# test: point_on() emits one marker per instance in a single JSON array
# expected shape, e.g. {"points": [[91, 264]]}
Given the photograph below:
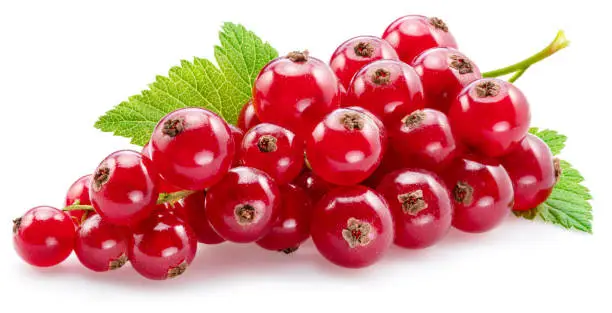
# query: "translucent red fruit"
{"points": [[43, 236], [533, 170], [78, 193], [192, 148], [101, 246], [237, 135], [357, 52], [247, 117], [421, 207], [412, 34], [124, 188], [244, 205], [295, 91], [490, 116], [162, 246], [193, 211], [481, 191], [444, 73], [315, 186], [293, 224], [352, 226], [274, 150], [346, 147], [164, 186], [389, 89]]}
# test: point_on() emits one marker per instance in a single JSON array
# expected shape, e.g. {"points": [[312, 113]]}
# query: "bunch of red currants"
{"points": [[395, 141]]}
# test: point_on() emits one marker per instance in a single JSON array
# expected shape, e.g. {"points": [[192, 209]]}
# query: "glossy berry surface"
{"points": [[247, 117], [346, 147], [357, 52], [444, 73], [421, 207], [481, 191], [490, 116], [244, 205], [162, 246], [352, 226], [424, 140], [293, 224], [43, 236], [533, 170], [274, 150], [164, 186], [315, 186], [193, 211], [78, 193], [412, 34], [389, 89], [295, 91], [124, 188], [101, 246], [192, 148], [237, 135]]}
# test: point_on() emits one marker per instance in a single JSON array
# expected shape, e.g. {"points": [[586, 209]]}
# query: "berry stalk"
{"points": [[163, 198]]}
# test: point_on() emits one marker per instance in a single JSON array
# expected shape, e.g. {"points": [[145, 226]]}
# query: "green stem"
{"points": [[163, 198], [517, 75], [75, 207]]}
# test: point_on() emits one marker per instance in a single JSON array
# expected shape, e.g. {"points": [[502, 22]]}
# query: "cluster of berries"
{"points": [[395, 141]]}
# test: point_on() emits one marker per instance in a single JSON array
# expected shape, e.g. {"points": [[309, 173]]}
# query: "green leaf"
{"points": [[554, 140], [197, 83]]}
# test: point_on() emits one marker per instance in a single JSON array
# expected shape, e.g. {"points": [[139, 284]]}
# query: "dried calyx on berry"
{"points": [[16, 225], [267, 143], [118, 262], [356, 233], [461, 64], [298, 56], [101, 176], [438, 23], [173, 127], [352, 121], [381, 76], [412, 202], [364, 49], [463, 193], [414, 119], [177, 270], [245, 214], [558, 169], [487, 88]]}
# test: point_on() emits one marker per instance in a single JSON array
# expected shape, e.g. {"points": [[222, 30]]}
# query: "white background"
{"points": [[62, 64]]}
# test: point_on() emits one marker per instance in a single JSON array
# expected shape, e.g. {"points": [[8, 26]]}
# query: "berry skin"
{"points": [[192, 148], [192, 210], [533, 171], [247, 117], [389, 89], [162, 246], [444, 73], [101, 246], [164, 186], [237, 135], [421, 207], [78, 193], [274, 150], [43, 236], [352, 226], [346, 147], [357, 52], [295, 91], [244, 205], [481, 191], [490, 116], [412, 34], [315, 186], [124, 188], [424, 140], [293, 224]]}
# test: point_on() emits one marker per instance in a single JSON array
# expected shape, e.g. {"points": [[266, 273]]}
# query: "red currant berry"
{"points": [[390, 163], [78, 193], [101, 246], [444, 73], [274, 150], [481, 191], [412, 34], [389, 89], [293, 225], [192, 148], [124, 188], [352, 226], [346, 147], [244, 205], [424, 140], [237, 135], [247, 117], [533, 170], [162, 246], [421, 207], [357, 52], [295, 92], [43, 236], [164, 186], [491, 116], [193, 211], [315, 186]]}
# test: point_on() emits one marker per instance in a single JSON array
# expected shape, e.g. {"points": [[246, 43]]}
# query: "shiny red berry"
{"points": [[274, 150], [421, 207], [101, 246], [444, 73], [192, 148], [43, 236], [162, 246], [412, 34], [533, 171], [237, 135], [352, 226], [481, 191], [164, 186], [315, 186], [357, 52], [78, 193], [247, 117], [244, 205], [295, 91], [124, 188], [346, 147], [193, 211], [490, 116]]}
